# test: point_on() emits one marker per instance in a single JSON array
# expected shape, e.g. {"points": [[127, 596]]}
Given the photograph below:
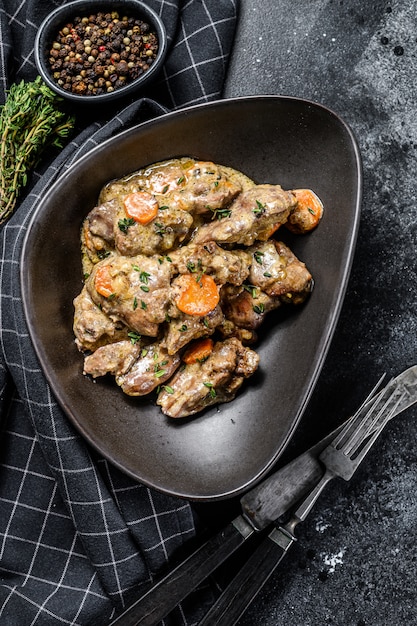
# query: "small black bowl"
{"points": [[48, 32]]}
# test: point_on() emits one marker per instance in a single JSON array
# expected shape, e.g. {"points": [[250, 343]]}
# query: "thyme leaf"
{"points": [[30, 121], [212, 391], [220, 213], [134, 337], [124, 224], [258, 256], [260, 208]]}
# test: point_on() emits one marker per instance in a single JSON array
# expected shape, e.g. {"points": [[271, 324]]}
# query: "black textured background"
{"points": [[356, 560]]}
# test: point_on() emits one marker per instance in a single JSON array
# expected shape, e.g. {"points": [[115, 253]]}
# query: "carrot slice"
{"points": [[273, 229], [307, 213], [307, 199], [199, 294], [103, 281], [198, 351], [141, 206]]}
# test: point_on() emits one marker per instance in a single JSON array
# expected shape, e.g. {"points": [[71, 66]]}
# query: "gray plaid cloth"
{"points": [[78, 538]]}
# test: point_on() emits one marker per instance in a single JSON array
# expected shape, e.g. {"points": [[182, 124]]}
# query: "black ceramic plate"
{"points": [[227, 449]]}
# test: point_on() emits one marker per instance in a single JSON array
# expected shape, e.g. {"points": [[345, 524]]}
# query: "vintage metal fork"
{"points": [[345, 453], [340, 458]]}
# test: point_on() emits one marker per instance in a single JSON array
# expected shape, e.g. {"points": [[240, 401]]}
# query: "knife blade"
{"points": [[260, 507]]}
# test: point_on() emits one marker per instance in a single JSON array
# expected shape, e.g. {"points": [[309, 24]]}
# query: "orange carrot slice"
{"points": [[273, 229], [307, 213], [103, 281], [141, 206], [198, 351], [199, 294], [306, 198]]}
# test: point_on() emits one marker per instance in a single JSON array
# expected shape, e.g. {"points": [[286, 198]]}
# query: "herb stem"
{"points": [[30, 120]]}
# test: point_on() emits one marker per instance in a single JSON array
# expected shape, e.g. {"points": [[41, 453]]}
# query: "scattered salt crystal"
{"points": [[321, 526], [331, 560]]}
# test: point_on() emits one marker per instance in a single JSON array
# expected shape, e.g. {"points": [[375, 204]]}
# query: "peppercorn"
{"points": [[101, 52]]}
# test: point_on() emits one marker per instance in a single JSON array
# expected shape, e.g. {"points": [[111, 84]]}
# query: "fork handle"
{"points": [[305, 507], [250, 579]]}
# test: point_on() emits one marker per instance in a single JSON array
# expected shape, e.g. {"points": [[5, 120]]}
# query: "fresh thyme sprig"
{"points": [[30, 120]]}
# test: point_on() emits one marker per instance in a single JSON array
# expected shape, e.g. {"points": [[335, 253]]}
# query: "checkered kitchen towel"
{"points": [[78, 538]]}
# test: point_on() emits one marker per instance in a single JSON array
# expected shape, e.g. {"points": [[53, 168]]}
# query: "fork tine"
{"points": [[368, 426], [356, 423], [358, 453], [365, 424], [359, 436]]}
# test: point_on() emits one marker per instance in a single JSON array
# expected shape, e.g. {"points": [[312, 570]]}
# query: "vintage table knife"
{"points": [[260, 508], [283, 489]]}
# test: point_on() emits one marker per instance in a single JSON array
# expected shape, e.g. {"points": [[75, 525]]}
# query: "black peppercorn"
{"points": [[101, 53]]}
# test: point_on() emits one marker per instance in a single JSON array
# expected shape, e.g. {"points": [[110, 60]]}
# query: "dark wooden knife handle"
{"points": [[164, 596], [247, 583]]}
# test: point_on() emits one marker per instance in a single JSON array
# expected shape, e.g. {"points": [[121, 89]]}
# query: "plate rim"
{"points": [[326, 337]]}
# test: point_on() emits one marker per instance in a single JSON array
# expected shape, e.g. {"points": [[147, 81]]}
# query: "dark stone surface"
{"points": [[356, 560]]}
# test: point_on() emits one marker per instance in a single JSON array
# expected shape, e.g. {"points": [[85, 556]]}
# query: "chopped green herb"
{"points": [[135, 303], [159, 228], [251, 289], [144, 288], [125, 223], [220, 213], [192, 267], [134, 337], [212, 390], [267, 274], [143, 305], [183, 328], [165, 189], [258, 257], [143, 277], [259, 308], [260, 208]]}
